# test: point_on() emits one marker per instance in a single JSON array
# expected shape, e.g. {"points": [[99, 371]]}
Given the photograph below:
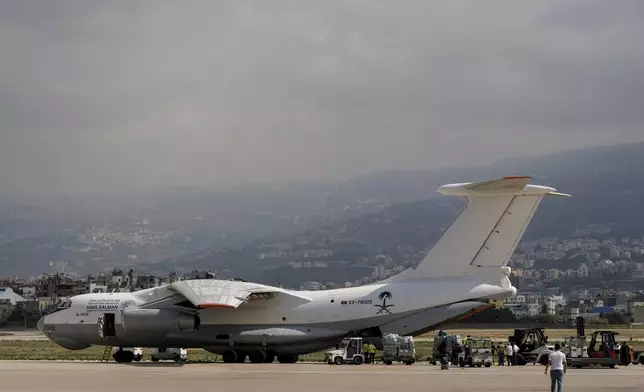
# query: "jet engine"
{"points": [[158, 320]]}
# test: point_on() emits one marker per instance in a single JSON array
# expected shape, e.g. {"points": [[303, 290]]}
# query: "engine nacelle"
{"points": [[158, 320]]}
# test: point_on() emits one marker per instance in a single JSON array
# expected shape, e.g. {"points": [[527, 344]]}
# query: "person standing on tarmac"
{"points": [[365, 352], [515, 354], [557, 363], [508, 353], [499, 352], [372, 353]]}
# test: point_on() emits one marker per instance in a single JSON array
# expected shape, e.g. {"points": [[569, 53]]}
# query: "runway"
{"points": [[32, 376]]}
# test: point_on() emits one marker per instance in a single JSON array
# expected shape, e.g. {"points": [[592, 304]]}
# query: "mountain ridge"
{"points": [[378, 211]]}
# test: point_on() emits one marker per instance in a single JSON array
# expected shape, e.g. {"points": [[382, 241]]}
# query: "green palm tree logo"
{"points": [[384, 307]]}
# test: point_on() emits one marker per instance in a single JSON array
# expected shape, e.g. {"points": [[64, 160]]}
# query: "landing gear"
{"points": [[241, 357], [287, 358], [258, 356], [232, 356], [123, 356], [229, 356], [270, 357]]}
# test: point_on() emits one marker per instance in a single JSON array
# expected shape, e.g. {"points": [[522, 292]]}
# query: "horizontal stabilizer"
{"points": [[506, 186]]}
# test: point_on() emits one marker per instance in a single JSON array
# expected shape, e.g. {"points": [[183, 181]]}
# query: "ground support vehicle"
{"points": [[349, 351], [176, 354], [533, 345], [638, 357], [602, 351], [476, 352]]}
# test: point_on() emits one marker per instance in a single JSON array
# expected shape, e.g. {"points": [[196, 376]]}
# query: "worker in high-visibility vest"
{"points": [[372, 353], [365, 352]]}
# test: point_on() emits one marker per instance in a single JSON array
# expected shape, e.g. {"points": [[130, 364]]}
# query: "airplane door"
{"points": [[108, 324]]}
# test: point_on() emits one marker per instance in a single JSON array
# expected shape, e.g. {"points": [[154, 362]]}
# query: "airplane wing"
{"points": [[212, 293]]}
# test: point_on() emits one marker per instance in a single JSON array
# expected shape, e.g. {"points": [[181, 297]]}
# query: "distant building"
{"points": [[312, 286], [638, 314], [534, 310], [519, 310], [7, 294]]}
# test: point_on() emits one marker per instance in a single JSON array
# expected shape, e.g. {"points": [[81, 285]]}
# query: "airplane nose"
{"points": [[41, 324]]}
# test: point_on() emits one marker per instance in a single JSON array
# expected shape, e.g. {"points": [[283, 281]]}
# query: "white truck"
{"points": [[348, 351], [176, 354]]}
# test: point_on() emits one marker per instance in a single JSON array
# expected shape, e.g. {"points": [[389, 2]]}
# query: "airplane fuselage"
{"points": [[288, 325]]}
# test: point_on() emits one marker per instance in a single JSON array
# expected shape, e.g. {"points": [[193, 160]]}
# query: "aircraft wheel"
{"points": [[409, 363], [229, 356], [270, 357], [241, 357], [388, 362], [123, 356], [258, 356], [155, 359], [138, 358]]}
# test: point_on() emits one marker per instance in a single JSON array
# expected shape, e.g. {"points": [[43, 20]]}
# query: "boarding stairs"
{"points": [[107, 353]]}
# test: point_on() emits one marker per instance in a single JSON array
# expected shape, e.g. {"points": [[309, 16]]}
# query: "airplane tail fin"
{"points": [[486, 233]]}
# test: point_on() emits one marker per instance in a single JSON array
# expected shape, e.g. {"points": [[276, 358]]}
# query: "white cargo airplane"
{"points": [[461, 273]]}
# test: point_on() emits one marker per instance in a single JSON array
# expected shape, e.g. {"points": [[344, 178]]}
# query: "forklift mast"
{"points": [[580, 327]]}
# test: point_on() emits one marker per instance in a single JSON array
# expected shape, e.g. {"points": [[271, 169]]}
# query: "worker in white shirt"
{"points": [[515, 354], [557, 363], [508, 353]]}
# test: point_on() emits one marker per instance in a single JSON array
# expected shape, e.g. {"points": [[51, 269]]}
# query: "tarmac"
{"points": [[31, 376]]}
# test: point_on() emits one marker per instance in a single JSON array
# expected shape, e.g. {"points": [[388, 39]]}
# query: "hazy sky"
{"points": [[111, 95]]}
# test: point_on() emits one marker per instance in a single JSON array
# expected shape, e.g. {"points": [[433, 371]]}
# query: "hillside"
{"points": [[396, 213], [600, 179]]}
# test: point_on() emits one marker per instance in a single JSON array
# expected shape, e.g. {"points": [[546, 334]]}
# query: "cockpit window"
{"points": [[65, 304], [61, 306]]}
